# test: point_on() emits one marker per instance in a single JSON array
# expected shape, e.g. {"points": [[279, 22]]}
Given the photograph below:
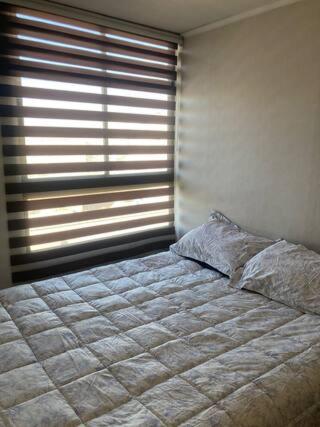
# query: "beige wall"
{"points": [[249, 127]]}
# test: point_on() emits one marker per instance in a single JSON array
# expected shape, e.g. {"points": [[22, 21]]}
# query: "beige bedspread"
{"points": [[158, 341]]}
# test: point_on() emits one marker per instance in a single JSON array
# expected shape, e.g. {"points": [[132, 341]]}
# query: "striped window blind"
{"points": [[87, 123]]}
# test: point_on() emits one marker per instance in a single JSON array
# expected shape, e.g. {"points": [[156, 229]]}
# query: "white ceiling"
{"points": [[177, 16]]}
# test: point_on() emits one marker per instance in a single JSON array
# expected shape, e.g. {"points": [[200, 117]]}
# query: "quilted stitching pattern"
{"points": [[158, 341]]}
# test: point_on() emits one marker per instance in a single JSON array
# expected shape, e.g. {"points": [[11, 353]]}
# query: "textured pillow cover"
{"points": [[221, 244], [286, 273]]}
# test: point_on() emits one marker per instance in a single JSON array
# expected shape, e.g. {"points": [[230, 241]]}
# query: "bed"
{"points": [[155, 341]]}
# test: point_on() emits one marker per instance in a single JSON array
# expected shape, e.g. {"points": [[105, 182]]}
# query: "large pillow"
{"points": [[286, 273], [220, 244]]}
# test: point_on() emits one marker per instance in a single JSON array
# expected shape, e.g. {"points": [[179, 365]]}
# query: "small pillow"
{"points": [[220, 244], [286, 273]]}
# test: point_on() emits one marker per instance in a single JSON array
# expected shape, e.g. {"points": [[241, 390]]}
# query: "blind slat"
{"points": [[58, 55], [40, 186], [87, 247], [52, 168], [54, 73], [25, 223], [69, 150], [71, 132], [69, 96], [94, 48], [87, 199], [68, 114], [91, 31], [18, 242]]}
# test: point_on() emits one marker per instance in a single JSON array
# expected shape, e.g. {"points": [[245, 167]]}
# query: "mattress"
{"points": [[156, 341]]}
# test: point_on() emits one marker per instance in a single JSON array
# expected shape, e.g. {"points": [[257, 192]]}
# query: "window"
{"points": [[88, 118]]}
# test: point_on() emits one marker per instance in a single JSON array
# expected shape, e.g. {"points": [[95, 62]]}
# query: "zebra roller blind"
{"points": [[88, 116]]}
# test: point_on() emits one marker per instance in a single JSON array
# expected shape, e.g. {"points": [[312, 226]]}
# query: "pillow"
{"points": [[220, 244], [286, 273]]}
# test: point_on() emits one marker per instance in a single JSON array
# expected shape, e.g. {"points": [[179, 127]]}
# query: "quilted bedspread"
{"points": [[156, 341]]}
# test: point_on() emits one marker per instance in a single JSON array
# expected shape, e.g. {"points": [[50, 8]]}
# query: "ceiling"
{"points": [[177, 16]]}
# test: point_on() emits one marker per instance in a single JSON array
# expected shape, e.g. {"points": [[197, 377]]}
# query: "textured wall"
{"points": [[249, 127]]}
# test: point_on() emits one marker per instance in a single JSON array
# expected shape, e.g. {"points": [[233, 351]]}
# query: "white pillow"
{"points": [[286, 273], [221, 244]]}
